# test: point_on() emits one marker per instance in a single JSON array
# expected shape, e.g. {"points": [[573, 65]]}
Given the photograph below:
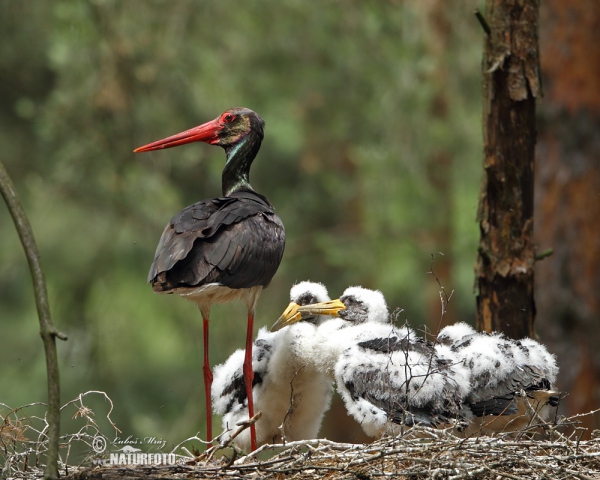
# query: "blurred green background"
{"points": [[372, 158]]}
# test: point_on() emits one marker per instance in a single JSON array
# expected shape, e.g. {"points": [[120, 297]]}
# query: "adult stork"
{"points": [[388, 377], [291, 394], [222, 249], [512, 382]]}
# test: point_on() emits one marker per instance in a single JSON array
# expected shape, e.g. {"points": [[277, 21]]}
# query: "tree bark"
{"points": [[567, 203], [505, 261]]}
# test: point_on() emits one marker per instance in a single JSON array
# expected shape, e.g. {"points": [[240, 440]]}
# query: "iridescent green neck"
{"points": [[240, 155]]}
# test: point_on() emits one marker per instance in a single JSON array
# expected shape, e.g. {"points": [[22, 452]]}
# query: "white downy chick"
{"points": [[291, 394]]}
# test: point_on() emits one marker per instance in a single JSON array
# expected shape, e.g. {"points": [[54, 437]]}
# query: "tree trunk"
{"points": [[567, 204], [504, 267]]}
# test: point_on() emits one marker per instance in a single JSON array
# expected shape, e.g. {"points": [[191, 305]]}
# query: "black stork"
{"points": [[222, 249]]}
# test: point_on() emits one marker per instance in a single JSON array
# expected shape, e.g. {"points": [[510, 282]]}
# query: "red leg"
{"points": [[249, 377], [208, 378]]}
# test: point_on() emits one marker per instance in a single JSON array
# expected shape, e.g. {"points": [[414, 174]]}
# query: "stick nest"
{"points": [[440, 456], [541, 452]]}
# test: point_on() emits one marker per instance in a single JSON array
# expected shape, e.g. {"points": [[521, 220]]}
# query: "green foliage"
{"points": [[371, 157]]}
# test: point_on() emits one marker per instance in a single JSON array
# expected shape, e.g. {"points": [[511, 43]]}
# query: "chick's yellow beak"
{"points": [[288, 317], [331, 308]]}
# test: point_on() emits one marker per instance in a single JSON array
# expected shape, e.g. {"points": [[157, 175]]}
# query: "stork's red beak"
{"points": [[207, 132]]}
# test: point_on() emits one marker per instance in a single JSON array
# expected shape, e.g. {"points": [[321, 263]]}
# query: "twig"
{"points": [[242, 426], [483, 22], [546, 253], [291, 408], [444, 297]]}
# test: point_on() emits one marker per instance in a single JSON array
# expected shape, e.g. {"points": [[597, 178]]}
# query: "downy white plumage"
{"points": [[291, 393], [512, 382]]}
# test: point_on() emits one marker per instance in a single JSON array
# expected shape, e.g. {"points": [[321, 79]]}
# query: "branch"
{"points": [[483, 22], [241, 427], [47, 330], [544, 254]]}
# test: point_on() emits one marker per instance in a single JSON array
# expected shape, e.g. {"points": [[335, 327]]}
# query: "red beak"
{"points": [[207, 132]]}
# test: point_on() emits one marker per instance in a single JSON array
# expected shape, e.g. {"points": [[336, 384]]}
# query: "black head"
{"points": [[236, 124]]}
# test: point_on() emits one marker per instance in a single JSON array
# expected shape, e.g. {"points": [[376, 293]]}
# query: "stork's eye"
{"points": [[228, 118], [307, 299]]}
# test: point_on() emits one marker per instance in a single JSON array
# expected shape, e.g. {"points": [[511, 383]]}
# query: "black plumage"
{"points": [[234, 241]]}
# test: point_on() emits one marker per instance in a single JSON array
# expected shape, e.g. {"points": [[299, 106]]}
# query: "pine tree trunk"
{"points": [[568, 200], [504, 268]]}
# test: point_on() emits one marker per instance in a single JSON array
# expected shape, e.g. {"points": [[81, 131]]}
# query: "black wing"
{"points": [[235, 241]]}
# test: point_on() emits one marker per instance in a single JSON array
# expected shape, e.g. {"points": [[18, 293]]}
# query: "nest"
{"points": [[441, 455], [541, 451]]}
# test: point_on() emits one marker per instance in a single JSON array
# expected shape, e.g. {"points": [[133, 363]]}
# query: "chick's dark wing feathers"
{"points": [[236, 241], [374, 384], [395, 344], [500, 399], [499, 405], [235, 388], [372, 388]]}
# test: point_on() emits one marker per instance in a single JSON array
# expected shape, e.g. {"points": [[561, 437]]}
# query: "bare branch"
{"points": [[483, 22], [47, 329]]}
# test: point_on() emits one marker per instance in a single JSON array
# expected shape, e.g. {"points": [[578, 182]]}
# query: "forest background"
{"points": [[372, 158]]}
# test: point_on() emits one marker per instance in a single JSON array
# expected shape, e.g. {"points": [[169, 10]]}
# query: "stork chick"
{"points": [[292, 395], [512, 382]]}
